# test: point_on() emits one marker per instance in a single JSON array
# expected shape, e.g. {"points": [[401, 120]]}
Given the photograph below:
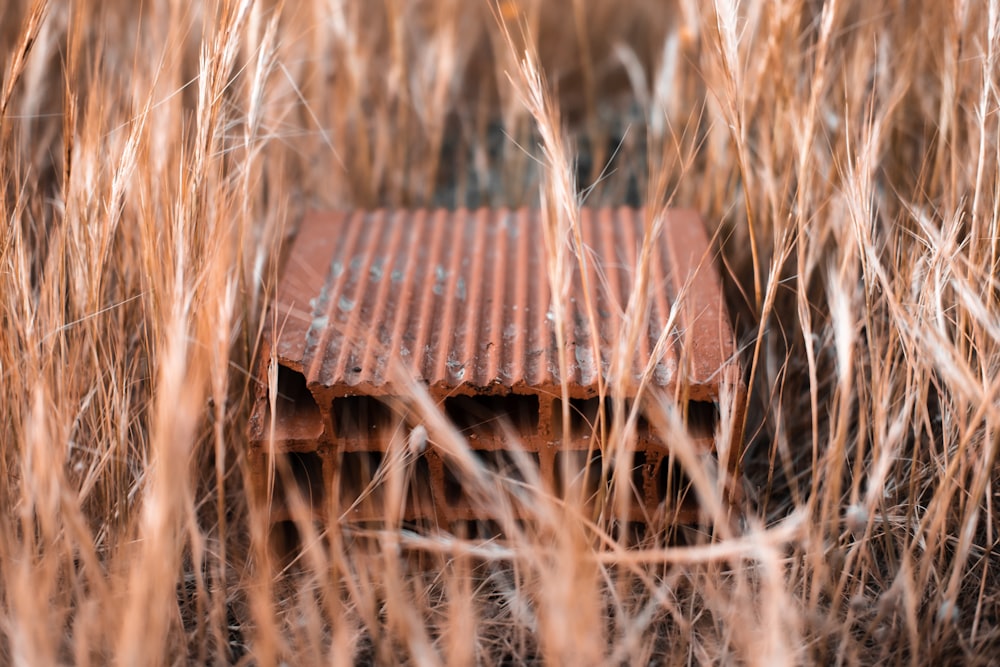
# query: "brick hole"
{"points": [[632, 534], [306, 472], [293, 389], [284, 539], [572, 470], [583, 414], [499, 463], [453, 494], [358, 469], [638, 473], [702, 417], [634, 483], [361, 417], [420, 499], [674, 484], [476, 529], [486, 414], [487, 529], [642, 427], [419, 525], [356, 472], [298, 415]]}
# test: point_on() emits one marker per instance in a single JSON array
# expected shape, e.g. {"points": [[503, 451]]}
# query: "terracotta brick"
{"points": [[460, 301]]}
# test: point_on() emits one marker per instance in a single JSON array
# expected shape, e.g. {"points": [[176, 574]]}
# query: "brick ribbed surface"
{"points": [[461, 301]]}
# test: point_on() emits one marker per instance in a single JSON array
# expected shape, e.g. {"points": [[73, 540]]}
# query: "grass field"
{"points": [[155, 157]]}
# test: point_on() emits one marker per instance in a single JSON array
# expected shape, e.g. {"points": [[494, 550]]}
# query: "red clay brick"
{"points": [[461, 302]]}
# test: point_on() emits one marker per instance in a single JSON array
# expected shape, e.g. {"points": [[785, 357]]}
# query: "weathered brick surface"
{"points": [[461, 303]]}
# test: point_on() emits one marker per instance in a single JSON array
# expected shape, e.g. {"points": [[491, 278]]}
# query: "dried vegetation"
{"points": [[155, 156]]}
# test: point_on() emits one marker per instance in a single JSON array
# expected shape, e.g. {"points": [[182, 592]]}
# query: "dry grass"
{"points": [[154, 156]]}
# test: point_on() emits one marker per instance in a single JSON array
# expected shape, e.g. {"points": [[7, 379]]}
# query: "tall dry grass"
{"points": [[154, 158]]}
